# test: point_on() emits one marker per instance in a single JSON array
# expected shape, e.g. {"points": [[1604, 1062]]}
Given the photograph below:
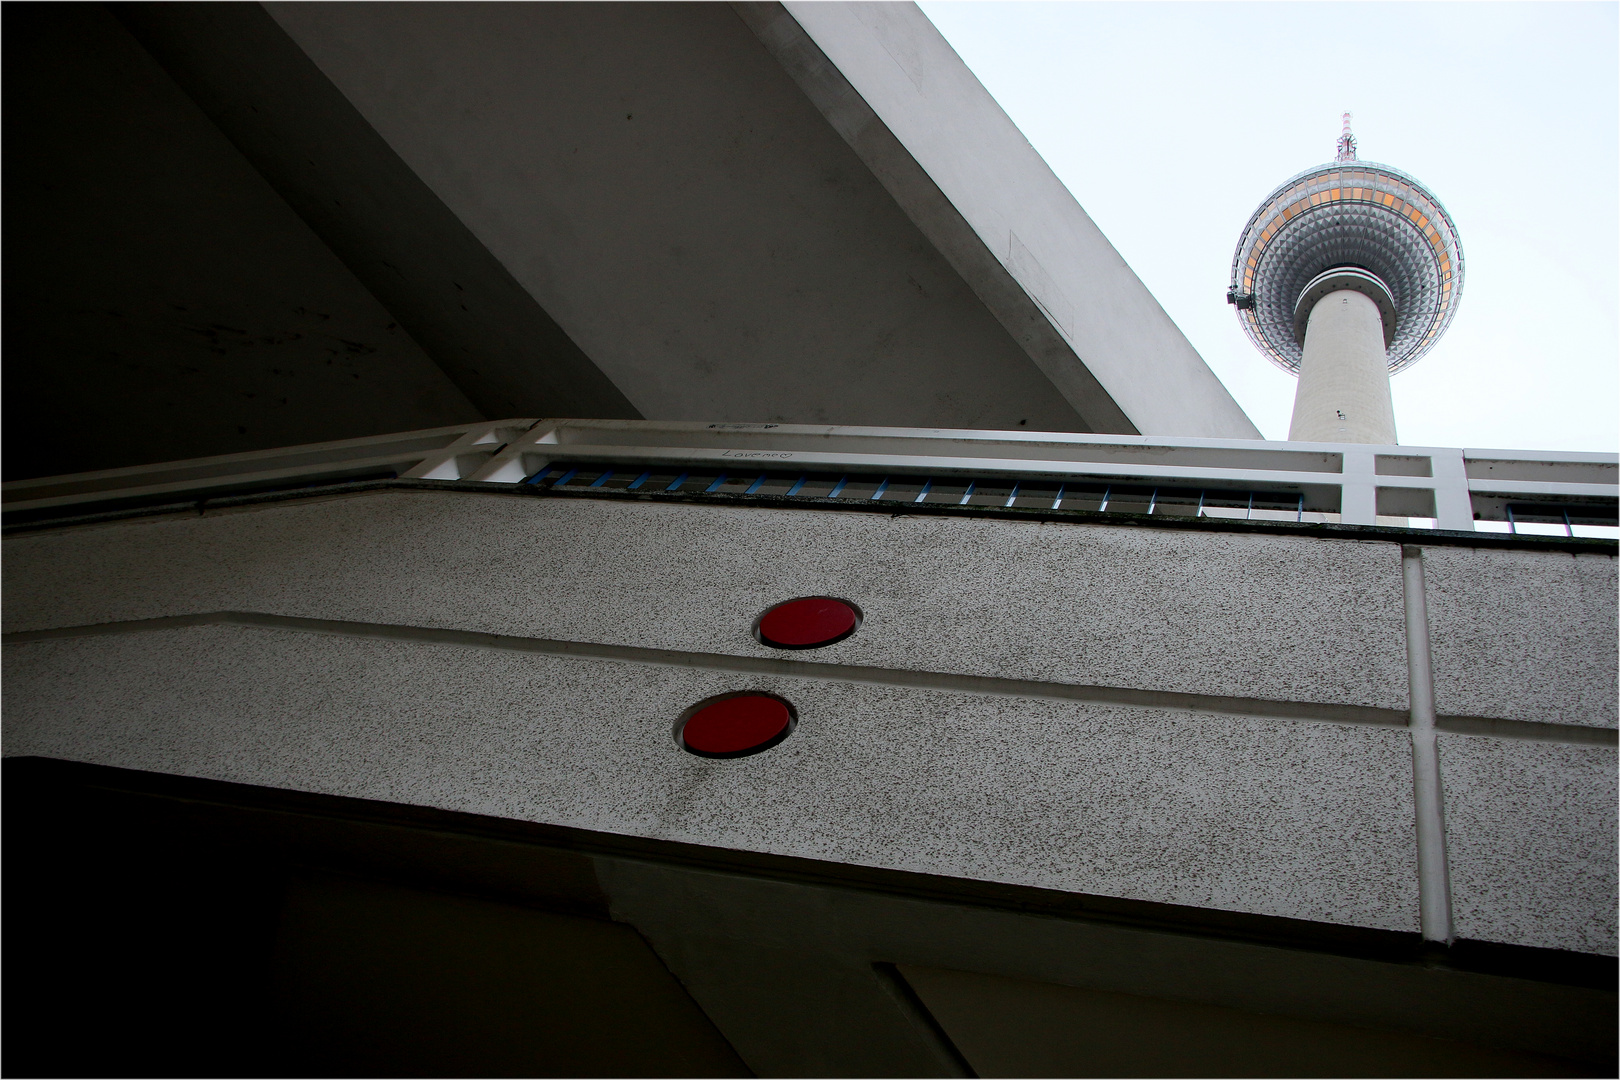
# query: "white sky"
{"points": [[1170, 122]]}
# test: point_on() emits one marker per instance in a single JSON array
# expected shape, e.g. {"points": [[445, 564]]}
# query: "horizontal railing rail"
{"points": [[1351, 483]]}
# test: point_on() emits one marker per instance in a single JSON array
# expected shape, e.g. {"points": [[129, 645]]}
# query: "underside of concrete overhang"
{"points": [[173, 926], [238, 226]]}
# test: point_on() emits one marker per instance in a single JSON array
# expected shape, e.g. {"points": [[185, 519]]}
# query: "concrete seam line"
{"points": [[988, 685], [1529, 730], [922, 1018], [1434, 880]]}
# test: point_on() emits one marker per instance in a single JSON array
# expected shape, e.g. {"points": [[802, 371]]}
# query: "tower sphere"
{"points": [[1356, 216]]}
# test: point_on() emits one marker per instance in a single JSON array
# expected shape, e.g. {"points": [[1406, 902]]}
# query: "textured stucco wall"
{"points": [[1531, 840], [1304, 820], [1283, 618], [1304, 812], [1523, 635]]}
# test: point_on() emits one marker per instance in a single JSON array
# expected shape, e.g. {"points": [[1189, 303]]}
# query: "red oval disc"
{"points": [[808, 622], [735, 725]]}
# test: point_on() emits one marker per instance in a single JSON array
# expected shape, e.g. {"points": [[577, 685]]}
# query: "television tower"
{"points": [[1346, 274]]}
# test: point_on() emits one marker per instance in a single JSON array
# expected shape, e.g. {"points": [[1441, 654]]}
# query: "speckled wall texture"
{"points": [[1531, 839], [1311, 821], [1287, 815], [1523, 635], [1278, 617]]}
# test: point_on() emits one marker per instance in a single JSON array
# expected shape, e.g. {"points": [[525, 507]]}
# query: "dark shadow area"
{"points": [[160, 925], [162, 301], [1017, 1027], [166, 938]]}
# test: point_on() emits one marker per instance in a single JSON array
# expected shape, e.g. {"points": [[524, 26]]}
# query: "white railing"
{"points": [[1357, 484], [403, 454]]}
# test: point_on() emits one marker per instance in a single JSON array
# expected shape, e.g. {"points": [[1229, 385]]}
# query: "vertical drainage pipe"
{"points": [[1434, 880]]}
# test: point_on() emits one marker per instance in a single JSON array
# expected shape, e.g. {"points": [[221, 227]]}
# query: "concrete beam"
{"points": [[891, 85], [652, 177], [389, 227], [162, 301], [618, 210]]}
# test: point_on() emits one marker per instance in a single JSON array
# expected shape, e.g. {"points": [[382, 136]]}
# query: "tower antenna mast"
{"points": [[1347, 143]]}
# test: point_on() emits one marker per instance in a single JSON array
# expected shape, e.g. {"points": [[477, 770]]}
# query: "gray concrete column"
{"points": [[1343, 393]]}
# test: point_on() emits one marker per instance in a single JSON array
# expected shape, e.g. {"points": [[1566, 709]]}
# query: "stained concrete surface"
{"points": [[161, 300], [1530, 837], [309, 142], [1279, 617], [659, 185], [1308, 821], [1523, 635]]}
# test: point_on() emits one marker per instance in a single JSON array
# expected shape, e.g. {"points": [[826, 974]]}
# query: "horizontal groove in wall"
{"points": [[755, 665], [1533, 730], [852, 673]]}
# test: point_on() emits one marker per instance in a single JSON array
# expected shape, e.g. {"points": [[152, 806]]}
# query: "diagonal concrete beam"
{"points": [[459, 302], [897, 92]]}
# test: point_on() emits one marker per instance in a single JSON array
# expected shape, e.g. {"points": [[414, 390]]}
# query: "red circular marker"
{"points": [[807, 623], [734, 725]]}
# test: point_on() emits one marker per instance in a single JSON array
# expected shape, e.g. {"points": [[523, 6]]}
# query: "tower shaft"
{"points": [[1343, 393]]}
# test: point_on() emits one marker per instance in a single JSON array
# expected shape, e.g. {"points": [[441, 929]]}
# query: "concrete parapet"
{"points": [[1303, 820], [1248, 616], [1197, 718]]}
